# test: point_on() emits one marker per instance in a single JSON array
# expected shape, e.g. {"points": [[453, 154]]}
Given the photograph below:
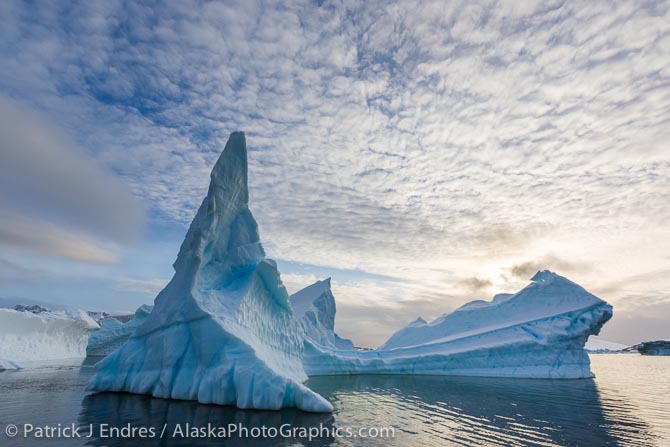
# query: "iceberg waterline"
{"points": [[224, 330]]}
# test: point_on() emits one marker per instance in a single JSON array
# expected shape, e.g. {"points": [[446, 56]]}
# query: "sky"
{"points": [[422, 154]]}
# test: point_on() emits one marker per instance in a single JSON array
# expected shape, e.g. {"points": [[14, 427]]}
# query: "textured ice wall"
{"points": [[538, 332], [113, 333], [314, 306], [31, 338], [222, 330]]}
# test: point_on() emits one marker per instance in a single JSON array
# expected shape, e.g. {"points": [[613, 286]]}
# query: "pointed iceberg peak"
{"points": [[544, 276], [221, 331], [319, 292], [224, 233], [230, 171], [418, 322]]}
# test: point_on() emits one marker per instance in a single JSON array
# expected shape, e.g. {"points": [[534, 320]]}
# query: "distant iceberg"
{"points": [[538, 332], [597, 345], [7, 365], [314, 306], [34, 335], [113, 333], [222, 330], [656, 347]]}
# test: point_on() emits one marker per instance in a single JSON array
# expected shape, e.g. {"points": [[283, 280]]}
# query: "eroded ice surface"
{"points": [[222, 331], [314, 306], [31, 336], [113, 333], [538, 332]]}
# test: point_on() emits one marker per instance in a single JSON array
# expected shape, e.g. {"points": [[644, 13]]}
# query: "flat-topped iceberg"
{"points": [[222, 330], [35, 335], [538, 332], [113, 333]]}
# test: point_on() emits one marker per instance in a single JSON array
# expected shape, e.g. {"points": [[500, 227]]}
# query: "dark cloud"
{"points": [[476, 285], [526, 270]]}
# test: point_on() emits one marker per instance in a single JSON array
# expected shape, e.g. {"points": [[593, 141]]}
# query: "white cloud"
{"points": [[148, 286], [427, 143]]}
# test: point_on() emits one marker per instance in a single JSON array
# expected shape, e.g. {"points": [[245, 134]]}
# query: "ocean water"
{"points": [[627, 404]]}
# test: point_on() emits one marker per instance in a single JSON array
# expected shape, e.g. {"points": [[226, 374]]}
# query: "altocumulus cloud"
{"points": [[428, 141]]}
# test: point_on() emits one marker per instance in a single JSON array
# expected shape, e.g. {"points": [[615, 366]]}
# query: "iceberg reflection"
{"points": [[469, 411], [120, 410]]}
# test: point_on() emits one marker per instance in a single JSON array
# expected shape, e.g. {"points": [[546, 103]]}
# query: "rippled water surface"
{"points": [[626, 405]]}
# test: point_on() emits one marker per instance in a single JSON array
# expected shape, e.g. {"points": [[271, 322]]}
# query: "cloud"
{"points": [[148, 286], [426, 142], [370, 310], [41, 237], [44, 176], [643, 324], [13, 272], [476, 285], [527, 269]]}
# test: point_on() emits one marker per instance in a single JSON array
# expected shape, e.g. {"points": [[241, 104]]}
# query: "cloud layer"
{"points": [[54, 198], [453, 147]]}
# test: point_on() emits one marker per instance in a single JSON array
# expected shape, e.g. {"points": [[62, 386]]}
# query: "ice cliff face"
{"points": [[222, 331], [538, 332], [113, 333], [314, 306], [33, 336]]}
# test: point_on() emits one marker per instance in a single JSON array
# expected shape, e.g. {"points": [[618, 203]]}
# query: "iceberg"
{"points": [[539, 332], [113, 333], [99, 317], [7, 365], [222, 330], [314, 306], [35, 335], [655, 347]]}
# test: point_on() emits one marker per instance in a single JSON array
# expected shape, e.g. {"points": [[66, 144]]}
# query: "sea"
{"points": [[626, 404]]}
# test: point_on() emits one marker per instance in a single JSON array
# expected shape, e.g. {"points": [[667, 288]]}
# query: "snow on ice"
{"points": [[113, 333], [32, 335], [538, 332]]}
